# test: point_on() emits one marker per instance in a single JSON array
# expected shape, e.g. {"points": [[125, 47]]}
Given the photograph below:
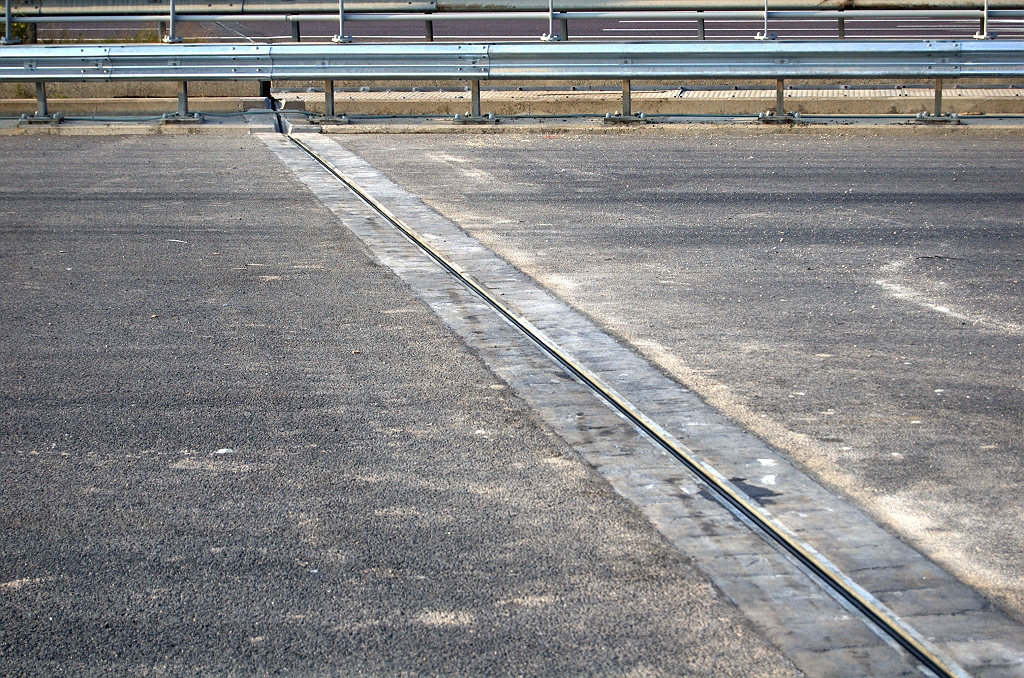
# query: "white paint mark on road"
{"points": [[768, 480], [434, 618], [767, 462], [909, 294], [16, 584]]}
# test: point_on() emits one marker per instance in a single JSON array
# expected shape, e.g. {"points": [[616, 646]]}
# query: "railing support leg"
{"points": [[41, 110], [983, 33], [328, 98], [564, 28], [938, 97], [183, 99], [474, 90], [172, 29], [780, 90], [700, 29], [265, 89], [296, 32], [341, 37], [8, 38], [428, 27], [627, 104], [842, 27]]}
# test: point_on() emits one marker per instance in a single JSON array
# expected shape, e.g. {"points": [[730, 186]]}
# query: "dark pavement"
{"points": [[852, 297], [234, 444]]}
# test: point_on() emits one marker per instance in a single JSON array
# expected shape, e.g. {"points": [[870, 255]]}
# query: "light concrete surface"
{"points": [[820, 636], [852, 299], [234, 443], [131, 106], [881, 101], [963, 99], [251, 122]]}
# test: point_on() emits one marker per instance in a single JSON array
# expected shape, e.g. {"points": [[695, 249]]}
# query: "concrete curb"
{"points": [[888, 101]]}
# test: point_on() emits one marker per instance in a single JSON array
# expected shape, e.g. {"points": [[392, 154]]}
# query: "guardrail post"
{"points": [[700, 28], [428, 28], [474, 94], [341, 37], [8, 38], [265, 89], [172, 29], [563, 28], [183, 99], [296, 32], [328, 98], [983, 33], [780, 89], [41, 111], [767, 35], [627, 104], [550, 36], [938, 97], [842, 27]]}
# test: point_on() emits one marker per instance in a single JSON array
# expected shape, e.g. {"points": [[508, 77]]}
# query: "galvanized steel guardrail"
{"points": [[518, 61], [49, 8]]}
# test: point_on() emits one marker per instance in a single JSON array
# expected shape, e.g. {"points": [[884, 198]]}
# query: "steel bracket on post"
{"points": [[625, 117], [779, 115], [182, 116], [42, 115], [938, 118], [473, 116], [329, 117]]}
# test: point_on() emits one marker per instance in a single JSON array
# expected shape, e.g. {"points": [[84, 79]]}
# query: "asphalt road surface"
{"points": [[854, 298], [234, 444]]}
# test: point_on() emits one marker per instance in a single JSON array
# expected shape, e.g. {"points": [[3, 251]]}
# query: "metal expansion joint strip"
{"points": [[770, 528]]}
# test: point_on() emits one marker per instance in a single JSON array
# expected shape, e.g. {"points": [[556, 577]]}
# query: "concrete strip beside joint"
{"points": [[634, 482]]}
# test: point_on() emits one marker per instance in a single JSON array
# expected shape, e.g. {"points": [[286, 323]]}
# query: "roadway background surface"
{"points": [[852, 298], [232, 443]]}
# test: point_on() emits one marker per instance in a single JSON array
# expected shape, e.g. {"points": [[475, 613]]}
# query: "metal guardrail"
{"points": [[49, 8], [519, 61], [772, 59], [295, 11]]}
